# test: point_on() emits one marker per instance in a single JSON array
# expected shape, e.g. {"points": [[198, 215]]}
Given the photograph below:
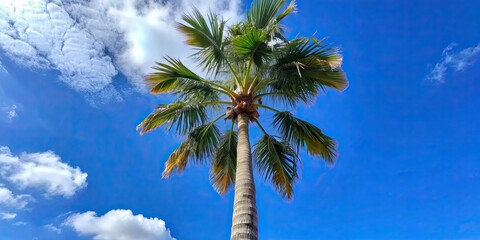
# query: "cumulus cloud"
{"points": [[10, 200], [118, 225], [453, 60], [90, 42], [43, 171]]}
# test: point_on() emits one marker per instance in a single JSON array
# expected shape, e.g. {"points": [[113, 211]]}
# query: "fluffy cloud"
{"points": [[119, 225], [44, 171], [8, 216], [453, 60], [89, 42], [8, 199]]}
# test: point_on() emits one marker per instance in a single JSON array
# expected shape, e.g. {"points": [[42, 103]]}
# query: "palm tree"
{"points": [[254, 65]]}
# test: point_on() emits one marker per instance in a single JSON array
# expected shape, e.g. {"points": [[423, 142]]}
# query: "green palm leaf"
{"points": [[196, 92], [184, 116], [303, 68], [206, 36], [169, 75], [291, 8], [199, 146], [204, 141], [224, 163], [301, 133], [264, 12], [277, 162], [252, 45]]}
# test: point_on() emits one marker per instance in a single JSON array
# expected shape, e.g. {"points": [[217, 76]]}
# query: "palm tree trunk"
{"points": [[244, 222]]}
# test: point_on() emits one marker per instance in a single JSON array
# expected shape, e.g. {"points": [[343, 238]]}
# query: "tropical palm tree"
{"points": [[251, 65]]}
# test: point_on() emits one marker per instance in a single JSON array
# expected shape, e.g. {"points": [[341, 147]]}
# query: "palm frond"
{"points": [[263, 13], [199, 146], [291, 8], [169, 75], [301, 133], [303, 69], [197, 92], [204, 141], [277, 162], [222, 172], [252, 44], [184, 116], [206, 35], [177, 160]]}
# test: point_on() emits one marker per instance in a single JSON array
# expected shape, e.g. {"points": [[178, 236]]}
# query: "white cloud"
{"points": [[118, 225], [8, 216], [89, 42], [8, 199], [19, 223], [52, 228], [454, 60], [11, 113], [44, 171], [2, 68], [8, 113]]}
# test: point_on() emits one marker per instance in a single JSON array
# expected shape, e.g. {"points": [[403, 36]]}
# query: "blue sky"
{"points": [[72, 165]]}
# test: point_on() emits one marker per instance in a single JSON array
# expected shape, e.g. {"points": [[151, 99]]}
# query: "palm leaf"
{"points": [[196, 92], [291, 8], [253, 45], [169, 75], [224, 163], [204, 141], [303, 68], [277, 162], [304, 134], [206, 35], [263, 13], [177, 160], [184, 116], [199, 146]]}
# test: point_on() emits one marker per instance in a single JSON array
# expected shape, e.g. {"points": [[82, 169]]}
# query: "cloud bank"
{"points": [[454, 61], [43, 171], [118, 225], [90, 42]]}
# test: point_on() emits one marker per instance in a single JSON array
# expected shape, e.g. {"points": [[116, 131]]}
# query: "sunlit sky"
{"points": [[72, 165]]}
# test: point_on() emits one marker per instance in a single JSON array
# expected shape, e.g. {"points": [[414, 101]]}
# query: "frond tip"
{"points": [[199, 145], [277, 162], [301, 133], [177, 160]]}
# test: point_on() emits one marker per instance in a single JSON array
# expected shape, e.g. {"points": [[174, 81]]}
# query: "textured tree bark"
{"points": [[244, 222]]}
